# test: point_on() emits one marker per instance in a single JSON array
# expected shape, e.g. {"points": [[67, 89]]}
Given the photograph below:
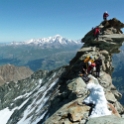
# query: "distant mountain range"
{"points": [[44, 53], [54, 41]]}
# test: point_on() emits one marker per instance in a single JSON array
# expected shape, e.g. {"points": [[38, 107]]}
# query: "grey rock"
{"points": [[77, 86], [110, 97], [105, 80], [106, 120], [119, 107]]}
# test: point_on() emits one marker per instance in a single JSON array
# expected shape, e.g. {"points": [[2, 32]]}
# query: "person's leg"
{"points": [[96, 74], [98, 71], [97, 37]]}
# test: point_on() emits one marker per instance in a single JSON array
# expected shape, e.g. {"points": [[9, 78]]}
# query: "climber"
{"points": [[88, 58], [105, 15], [91, 67], [98, 63], [96, 32], [83, 73], [84, 68]]}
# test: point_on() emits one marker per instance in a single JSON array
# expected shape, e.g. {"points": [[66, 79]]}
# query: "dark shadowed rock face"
{"points": [[13, 73]]}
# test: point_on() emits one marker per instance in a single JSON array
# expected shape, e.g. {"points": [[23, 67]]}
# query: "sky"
{"points": [[22, 20]]}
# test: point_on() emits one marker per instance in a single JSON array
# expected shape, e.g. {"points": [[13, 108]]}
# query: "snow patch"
{"points": [[5, 114], [97, 97], [50, 40], [39, 103]]}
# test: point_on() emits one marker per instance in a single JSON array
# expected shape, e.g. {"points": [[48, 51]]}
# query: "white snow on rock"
{"points": [[97, 97], [5, 114], [38, 105]]}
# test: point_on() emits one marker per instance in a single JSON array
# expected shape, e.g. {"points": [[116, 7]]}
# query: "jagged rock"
{"points": [[105, 52], [87, 49], [111, 119], [110, 33], [70, 113], [110, 97], [77, 86], [119, 107], [93, 79], [105, 80], [77, 113], [113, 23], [113, 110], [117, 95]]}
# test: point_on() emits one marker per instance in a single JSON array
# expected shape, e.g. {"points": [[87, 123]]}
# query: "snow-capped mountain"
{"points": [[55, 40]]}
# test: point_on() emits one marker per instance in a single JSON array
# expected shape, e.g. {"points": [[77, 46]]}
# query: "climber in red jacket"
{"points": [[96, 32], [105, 15]]}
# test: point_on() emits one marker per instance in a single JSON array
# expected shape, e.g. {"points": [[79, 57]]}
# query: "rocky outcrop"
{"points": [[71, 109], [106, 120], [13, 73]]}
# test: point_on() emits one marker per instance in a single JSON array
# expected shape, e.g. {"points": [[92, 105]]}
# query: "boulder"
{"points": [[119, 107], [70, 113], [117, 95], [77, 113], [105, 80], [113, 110], [110, 97], [111, 119], [77, 86]]}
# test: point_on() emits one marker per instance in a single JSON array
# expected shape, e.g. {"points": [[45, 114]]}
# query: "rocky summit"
{"points": [[72, 109], [63, 96]]}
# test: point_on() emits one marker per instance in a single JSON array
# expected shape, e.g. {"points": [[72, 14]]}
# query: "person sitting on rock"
{"points": [[83, 73], [105, 15], [98, 63], [96, 32], [83, 69]]}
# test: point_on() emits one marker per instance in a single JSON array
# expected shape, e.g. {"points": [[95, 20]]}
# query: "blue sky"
{"points": [[22, 20]]}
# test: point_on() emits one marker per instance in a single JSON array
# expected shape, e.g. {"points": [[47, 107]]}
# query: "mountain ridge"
{"points": [[57, 96], [10, 72], [39, 54], [76, 111], [56, 40]]}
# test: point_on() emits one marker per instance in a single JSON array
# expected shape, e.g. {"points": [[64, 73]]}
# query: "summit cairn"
{"points": [[80, 101]]}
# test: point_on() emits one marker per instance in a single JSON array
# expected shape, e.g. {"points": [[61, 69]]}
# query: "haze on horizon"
{"points": [[22, 20]]}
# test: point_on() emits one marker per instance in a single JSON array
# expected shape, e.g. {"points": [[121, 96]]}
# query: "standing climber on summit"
{"points": [[105, 15]]}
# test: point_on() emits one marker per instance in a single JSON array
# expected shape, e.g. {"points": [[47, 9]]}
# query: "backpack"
{"points": [[85, 78]]}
